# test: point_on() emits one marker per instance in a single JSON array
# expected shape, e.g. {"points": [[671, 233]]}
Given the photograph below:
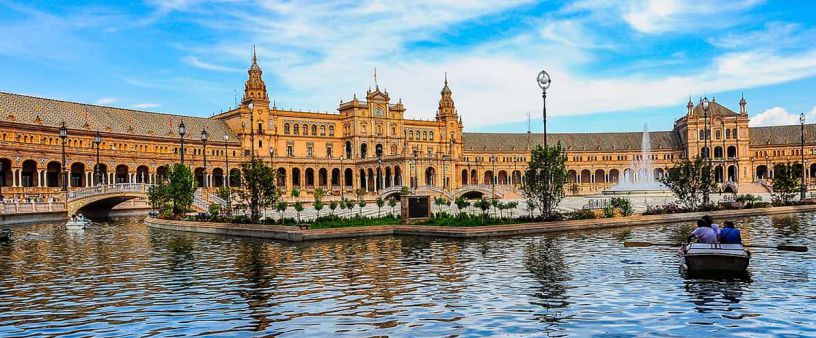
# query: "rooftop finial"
{"points": [[254, 56], [376, 84], [446, 78]]}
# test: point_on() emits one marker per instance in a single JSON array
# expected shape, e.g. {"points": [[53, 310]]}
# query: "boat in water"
{"points": [[78, 223], [714, 259]]}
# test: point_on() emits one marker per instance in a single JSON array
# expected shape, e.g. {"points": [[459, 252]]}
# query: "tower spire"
{"points": [[254, 56], [376, 84]]}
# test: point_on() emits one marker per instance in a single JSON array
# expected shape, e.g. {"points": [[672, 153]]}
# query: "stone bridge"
{"points": [[107, 195], [484, 190]]}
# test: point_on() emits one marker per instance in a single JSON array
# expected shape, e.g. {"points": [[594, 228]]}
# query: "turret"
{"points": [[690, 106], [447, 109], [255, 88], [742, 103]]}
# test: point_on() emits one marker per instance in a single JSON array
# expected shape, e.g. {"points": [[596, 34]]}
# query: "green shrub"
{"points": [[623, 204], [608, 212], [580, 214]]}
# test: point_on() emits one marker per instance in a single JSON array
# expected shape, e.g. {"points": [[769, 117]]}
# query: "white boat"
{"points": [[714, 259], [79, 223]]}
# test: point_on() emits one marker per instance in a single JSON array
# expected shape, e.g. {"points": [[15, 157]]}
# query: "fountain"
{"points": [[641, 179]]}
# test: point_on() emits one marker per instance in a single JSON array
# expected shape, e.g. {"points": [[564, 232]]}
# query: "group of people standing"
{"points": [[710, 233]]}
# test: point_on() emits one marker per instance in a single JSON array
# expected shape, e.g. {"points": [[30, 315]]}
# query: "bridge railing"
{"points": [[31, 207], [108, 189]]}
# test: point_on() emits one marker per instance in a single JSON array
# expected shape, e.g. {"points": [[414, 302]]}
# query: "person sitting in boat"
{"points": [[704, 233], [712, 225], [730, 234]]}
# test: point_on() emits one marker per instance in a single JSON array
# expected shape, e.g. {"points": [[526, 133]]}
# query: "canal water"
{"points": [[124, 279]]}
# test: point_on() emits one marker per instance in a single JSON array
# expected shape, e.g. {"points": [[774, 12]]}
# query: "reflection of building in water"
{"points": [[545, 261], [367, 144]]}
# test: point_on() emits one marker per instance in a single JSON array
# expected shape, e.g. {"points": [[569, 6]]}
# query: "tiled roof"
{"points": [[573, 141], [714, 109], [782, 135], [51, 113]]}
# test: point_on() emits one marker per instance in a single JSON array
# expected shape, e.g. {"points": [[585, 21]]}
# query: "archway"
{"points": [[310, 177], [235, 177], [218, 177], [122, 174], [430, 176], [5, 172], [281, 177], [464, 180], [199, 177], [101, 176], [502, 179], [378, 150], [516, 177], [572, 176], [323, 177], [718, 174], [762, 172], [614, 176], [52, 174], [388, 177], [731, 152], [474, 177], [29, 174], [718, 152], [363, 150], [600, 177], [732, 173], [142, 174], [296, 177], [488, 177], [77, 175], [335, 177], [704, 153], [348, 150], [586, 176], [658, 173], [397, 176], [348, 180]]}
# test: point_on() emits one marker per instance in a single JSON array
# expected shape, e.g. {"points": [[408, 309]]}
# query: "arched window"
{"points": [[430, 135], [411, 135], [424, 135], [734, 133], [297, 129], [314, 129], [322, 130], [331, 130], [305, 129], [286, 129], [379, 129]]}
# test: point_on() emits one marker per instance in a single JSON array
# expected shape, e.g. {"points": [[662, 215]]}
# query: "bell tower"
{"points": [[447, 109], [255, 88]]}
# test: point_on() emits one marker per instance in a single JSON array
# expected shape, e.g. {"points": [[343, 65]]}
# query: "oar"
{"points": [[783, 247]]}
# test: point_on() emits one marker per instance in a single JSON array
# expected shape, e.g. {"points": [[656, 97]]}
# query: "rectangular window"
{"points": [[310, 149], [329, 151], [290, 151]]}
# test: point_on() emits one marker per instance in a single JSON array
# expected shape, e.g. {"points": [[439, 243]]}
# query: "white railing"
{"points": [[108, 189], [30, 207]]}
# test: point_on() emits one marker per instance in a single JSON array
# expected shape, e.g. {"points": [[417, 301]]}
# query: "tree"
{"points": [[318, 199], [786, 182], [332, 206], [686, 179], [392, 202], [545, 177], [511, 206], [280, 207], [295, 193], [531, 204], [180, 188], [380, 203], [157, 196], [405, 191], [258, 187], [298, 208], [361, 204], [495, 204], [461, 204], [342, 204], [484, 205], [439, 202]]}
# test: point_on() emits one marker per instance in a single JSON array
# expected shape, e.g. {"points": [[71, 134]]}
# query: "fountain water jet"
{"points": [[641, 178]]}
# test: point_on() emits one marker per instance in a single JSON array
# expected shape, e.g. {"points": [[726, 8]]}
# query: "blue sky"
{"points": [[614, 64]]}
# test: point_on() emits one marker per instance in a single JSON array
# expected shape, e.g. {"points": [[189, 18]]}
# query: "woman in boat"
{"points": [[730, 234], [704, 233], [712, 225]]}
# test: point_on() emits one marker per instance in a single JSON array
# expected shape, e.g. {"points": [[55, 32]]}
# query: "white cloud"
{"points": [[105, 101], [195, 62], [146, 105], [778, 116]]}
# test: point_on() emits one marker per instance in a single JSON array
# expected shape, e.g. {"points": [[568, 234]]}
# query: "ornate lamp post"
{"points": [[493, 177], [97, 141], [380, 176], [803, 186], [544, 83], [204, 151], [63, 134], [416, 175], [182, 129], [707, 159]]}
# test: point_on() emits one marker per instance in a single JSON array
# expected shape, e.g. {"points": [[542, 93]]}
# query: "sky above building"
{"points": [[615, 65]]}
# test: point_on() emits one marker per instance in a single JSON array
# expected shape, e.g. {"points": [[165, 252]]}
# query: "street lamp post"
{"points": [[63, 134], [707, 159], [416, 175], [380, 176], [272, 164], [97, 141], [182, 129], [204, 151], [803, 186], [544, 83]]}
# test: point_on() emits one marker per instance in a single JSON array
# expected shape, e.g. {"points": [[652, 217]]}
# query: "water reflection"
{"points": [[123, 279]]}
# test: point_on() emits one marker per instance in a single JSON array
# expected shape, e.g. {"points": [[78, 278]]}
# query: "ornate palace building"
{"points": [[368, 144]]}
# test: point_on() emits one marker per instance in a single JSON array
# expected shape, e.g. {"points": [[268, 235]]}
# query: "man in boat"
{"points": [[710, 220], [704, 233], [729, 234]]}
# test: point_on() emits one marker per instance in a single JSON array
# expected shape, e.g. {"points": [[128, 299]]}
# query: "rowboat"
{"points": [[714, 259], [79, 223]]}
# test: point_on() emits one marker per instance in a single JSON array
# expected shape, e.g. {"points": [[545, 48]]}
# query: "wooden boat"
{"points": [[5, 235], [714, 259], [80, 223]]}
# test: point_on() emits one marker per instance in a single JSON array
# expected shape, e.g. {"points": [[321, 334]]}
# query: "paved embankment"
{"points": [[291, 233], [32, 217]]}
